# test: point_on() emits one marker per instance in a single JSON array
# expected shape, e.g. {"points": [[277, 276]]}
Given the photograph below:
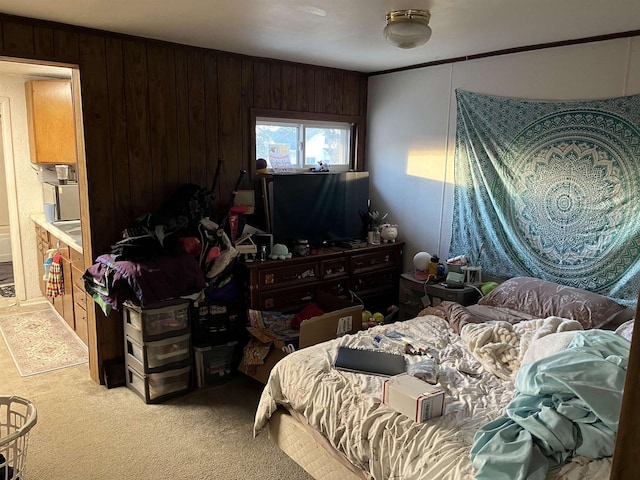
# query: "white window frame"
{"points": [[302, 125]]}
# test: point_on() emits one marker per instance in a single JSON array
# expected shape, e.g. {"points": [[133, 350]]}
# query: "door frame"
{"points": [[12, 198]]}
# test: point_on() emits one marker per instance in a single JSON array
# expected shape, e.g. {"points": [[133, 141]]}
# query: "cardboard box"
{"points": [[340, 317], [413, 397]]}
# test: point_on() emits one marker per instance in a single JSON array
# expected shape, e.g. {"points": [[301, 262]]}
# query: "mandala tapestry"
{"points": [[551, 189]]}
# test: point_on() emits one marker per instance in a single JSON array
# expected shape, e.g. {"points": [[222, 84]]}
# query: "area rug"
{"points": [[6, 273], [41, 342], [7, 291]]}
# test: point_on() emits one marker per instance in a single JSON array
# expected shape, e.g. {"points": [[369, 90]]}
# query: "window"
{"points": [[303, 144]]}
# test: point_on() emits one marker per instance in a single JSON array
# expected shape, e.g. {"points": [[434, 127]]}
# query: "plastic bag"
{"points": [[426, 370]]}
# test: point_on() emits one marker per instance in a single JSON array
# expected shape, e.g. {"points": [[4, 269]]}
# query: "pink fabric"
{"points": [[541, 299]]}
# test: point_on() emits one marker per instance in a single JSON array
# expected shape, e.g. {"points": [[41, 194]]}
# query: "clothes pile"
{"points": [[175, 252]]}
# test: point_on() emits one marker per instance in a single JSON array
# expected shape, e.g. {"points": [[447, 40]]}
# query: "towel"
{"points": [[55, 282]]}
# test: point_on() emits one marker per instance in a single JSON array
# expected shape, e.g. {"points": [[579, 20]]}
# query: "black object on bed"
{"points": [[370, 361]]}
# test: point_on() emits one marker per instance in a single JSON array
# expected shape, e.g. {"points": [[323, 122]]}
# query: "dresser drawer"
{"points": [[79, 297], [377, 260], [43, 245], [375, 282], [43, 234], [163, 320], [150, 357], [337, 288], [82, 328], [288, 275], [76, 277], [464, 296], [77, 259], [334, 268], [290, 299]]}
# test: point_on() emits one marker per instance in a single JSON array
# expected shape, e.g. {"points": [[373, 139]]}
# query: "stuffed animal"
{"points": [[279, 252]]}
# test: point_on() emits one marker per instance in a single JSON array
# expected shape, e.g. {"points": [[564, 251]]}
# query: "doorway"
{"points": [[21, 184], [7, 274]]}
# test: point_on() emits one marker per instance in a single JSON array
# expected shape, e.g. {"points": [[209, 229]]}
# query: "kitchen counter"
{"points": [[69, 231]]}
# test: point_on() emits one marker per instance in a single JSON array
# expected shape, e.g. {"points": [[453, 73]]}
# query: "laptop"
{"points": [[370, 361]]}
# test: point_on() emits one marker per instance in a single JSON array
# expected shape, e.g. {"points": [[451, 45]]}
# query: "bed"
{"points": [[334, 424]]}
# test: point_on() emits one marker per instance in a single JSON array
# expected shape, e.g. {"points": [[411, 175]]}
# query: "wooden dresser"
{"points": [[372, 273]]}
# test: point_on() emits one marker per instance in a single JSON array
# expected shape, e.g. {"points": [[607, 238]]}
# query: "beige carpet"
{"points": [[88, 432], [41, 341]]}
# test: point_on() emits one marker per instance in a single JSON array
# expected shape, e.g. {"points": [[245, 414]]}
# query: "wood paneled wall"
{"points": [[157, 115]]}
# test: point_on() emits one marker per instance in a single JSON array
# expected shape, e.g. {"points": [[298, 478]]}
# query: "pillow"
{"points": [[542, 299], [625, 330]]}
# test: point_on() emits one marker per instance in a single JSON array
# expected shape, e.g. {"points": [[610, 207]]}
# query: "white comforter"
{"points": [[347, 409]]}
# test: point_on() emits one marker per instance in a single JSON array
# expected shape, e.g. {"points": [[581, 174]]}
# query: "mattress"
{"points": [[345, 409], [309, 449]]}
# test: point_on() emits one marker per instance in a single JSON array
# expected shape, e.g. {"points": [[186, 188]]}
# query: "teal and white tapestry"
{"points": [[551, 189]]}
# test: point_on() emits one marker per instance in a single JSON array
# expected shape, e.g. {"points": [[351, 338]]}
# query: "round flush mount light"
{"points": [[407, 28]]}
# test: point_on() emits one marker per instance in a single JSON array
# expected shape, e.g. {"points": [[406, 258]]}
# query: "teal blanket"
{"points": [[566, 404]]}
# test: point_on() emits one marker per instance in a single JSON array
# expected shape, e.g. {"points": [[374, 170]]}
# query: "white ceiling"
{"points": [[342, 33]]}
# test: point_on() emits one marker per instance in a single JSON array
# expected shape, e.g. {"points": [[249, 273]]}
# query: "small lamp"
{"points": [[421, 264], [407, 28]]}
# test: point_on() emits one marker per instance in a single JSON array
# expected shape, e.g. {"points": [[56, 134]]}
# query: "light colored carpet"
{"points": [[88, 432], [41, 341]]}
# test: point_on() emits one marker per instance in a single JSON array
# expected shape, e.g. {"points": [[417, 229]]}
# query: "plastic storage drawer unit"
{"points": [[161, 355], [215, 364], [155, 387], [158, 321]]}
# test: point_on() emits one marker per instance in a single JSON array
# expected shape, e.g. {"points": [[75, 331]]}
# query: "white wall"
{"points": [[4, 208], [412, 116]]}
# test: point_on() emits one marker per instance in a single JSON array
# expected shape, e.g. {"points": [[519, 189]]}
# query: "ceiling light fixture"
{"points": [[407, 28]]}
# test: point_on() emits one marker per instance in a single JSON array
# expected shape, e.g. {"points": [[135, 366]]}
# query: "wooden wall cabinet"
{"points": [[371, 273], [50, 118]]}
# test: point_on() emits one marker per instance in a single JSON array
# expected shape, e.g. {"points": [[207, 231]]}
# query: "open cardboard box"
{"points": [[340, 317]]}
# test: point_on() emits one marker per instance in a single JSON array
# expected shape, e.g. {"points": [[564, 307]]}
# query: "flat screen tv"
{"points": [[318, 207]]}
